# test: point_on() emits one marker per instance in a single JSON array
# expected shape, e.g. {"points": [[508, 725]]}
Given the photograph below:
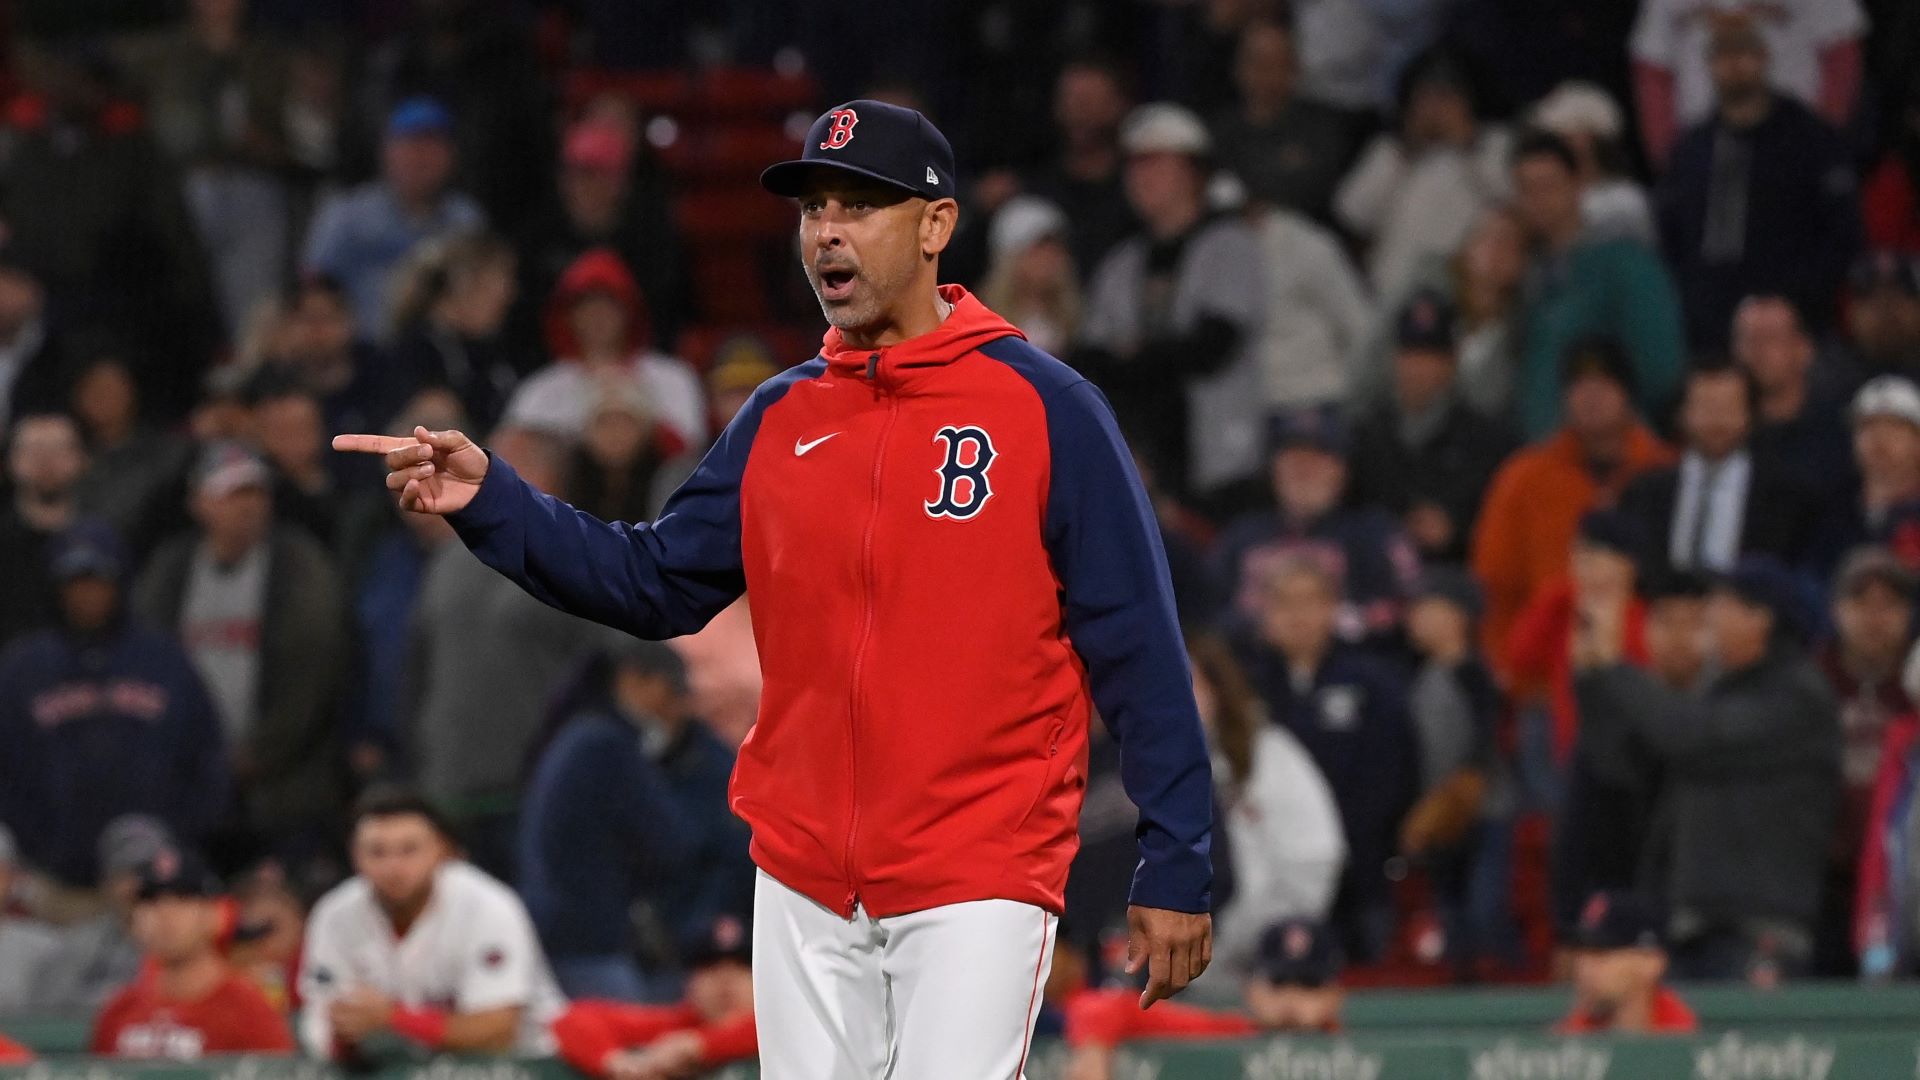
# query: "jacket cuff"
{"points": [[1185, 885], [492, 504]]}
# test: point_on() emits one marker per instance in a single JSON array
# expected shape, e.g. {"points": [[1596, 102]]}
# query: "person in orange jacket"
{"points": [[1538, 497], [712, 1026], [1295, 988], [1619, 964]]}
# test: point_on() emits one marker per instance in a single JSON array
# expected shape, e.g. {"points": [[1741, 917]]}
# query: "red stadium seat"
{"points": [[734, 212], [728, 153], [753, 94], [652, 92]]}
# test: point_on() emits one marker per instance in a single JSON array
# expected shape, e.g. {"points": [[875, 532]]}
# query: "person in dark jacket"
{"points": [[628, 803], [449, 325], [1802, 419], [102, 716], [1758, 198], [1373, 562], [1350, 712], [1754, 774], [1721, 500], [1423, 453], [262, 611], [45, 461], [1454, 706]]}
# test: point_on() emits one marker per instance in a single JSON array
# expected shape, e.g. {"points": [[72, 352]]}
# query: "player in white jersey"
{"points": [[422, 947]]}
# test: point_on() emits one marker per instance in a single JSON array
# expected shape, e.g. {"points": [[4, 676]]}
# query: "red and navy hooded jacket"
{"points": [[953, 564]]}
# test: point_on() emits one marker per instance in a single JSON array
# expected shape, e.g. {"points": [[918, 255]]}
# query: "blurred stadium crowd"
{"points": [[1526, 390]]}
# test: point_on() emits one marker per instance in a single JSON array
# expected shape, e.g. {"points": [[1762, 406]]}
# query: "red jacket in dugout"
{"points": [[952, 564]]}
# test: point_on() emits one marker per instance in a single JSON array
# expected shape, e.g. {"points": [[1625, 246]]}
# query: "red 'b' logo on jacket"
{"points": [[841, 133]]}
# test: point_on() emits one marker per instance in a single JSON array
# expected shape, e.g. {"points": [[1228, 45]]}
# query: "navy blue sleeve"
{"points": [[657, 580], [1105, 542]]}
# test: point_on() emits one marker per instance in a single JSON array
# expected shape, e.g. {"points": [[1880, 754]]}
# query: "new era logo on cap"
{"points": [[932, 177]]}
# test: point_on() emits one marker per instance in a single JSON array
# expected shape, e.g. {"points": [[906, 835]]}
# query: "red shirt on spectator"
{"points": [[139, 1022], [12, 1053], [1111, 1017], [1539, 658], [590, 1030], [1669, 1016]]}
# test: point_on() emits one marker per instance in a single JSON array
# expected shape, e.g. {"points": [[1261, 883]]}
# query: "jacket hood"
{"points": [[598, 271], [971, 325]]}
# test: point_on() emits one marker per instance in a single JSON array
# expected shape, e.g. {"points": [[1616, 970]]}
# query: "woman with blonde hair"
{"points": [[449, 306], [1031, 278]]}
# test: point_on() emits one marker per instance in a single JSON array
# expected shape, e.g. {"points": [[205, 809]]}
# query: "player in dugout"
{"points": [[1619, 962], [188, 999], [420, 951], [1295, 987], [711, 1026]]}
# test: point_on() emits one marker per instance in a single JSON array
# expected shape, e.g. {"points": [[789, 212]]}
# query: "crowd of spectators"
{"points": [[1527, 393]]}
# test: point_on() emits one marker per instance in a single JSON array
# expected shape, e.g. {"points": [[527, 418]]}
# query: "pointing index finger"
{"points": [[371, 444]]}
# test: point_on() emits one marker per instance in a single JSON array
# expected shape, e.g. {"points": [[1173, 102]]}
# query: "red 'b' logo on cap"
{"points": [[841, 133]]}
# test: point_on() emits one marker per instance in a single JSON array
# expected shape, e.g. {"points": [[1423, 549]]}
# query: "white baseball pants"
{"points": [[949, 993]]}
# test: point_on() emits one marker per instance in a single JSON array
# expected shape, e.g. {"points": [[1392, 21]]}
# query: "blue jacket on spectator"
{"points": [[94, 727], [1352, 718], [1362, 546], [604, 824]]}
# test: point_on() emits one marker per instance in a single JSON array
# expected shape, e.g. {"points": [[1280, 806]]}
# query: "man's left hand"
{"points": [[1173, 946]]}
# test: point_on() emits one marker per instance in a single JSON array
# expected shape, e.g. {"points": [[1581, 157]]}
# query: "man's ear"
{"points": [[937, 223]]}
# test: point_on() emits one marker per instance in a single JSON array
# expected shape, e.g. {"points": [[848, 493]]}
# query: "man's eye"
{"points": [[811, 206], [860, 206]]}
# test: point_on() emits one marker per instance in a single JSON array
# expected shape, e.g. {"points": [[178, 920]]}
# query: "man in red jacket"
{"points": [[188, 999], [713, 1026], [952, 562]]}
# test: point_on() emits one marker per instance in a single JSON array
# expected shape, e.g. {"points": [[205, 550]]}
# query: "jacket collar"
{"points": [[970, 326]]}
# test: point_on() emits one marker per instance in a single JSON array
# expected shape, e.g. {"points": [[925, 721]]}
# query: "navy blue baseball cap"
{"points": [[1617, 920], [1315, 427], [175, 872], [888, 143], [88, 548], [1762, 581], [727, 937], [1426, 322], [1299, 952]]}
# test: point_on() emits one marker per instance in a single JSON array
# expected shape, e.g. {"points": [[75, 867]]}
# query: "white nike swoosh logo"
{"points": [[800, 448]]}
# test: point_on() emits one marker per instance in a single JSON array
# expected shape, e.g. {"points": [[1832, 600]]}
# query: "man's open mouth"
{"points": [[836, 284]]}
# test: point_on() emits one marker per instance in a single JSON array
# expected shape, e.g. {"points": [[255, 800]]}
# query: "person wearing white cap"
{"points": [[24, 946], [1173, 311], [1030, 273], [261, 610], [1588, 119], [1886, 447]]}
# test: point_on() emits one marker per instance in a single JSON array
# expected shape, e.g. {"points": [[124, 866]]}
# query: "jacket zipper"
{"points": [[866, 634]]}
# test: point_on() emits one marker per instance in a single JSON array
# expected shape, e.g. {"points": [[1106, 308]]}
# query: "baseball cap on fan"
{"points": [[888, 143]]}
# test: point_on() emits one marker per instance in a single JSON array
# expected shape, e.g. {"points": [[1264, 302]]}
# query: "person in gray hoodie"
{"points": [[1753, 773]]}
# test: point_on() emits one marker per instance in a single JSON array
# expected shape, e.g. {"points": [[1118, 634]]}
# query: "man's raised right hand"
{"points": [[435, 472]]}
